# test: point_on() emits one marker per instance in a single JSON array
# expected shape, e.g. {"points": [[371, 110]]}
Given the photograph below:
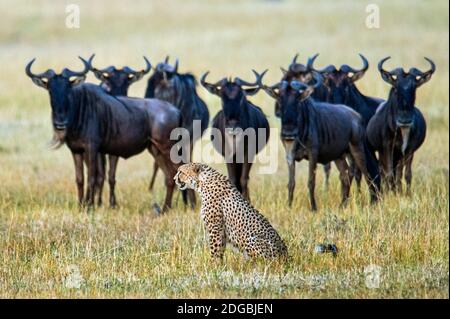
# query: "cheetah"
{"points": [[228, 217]]}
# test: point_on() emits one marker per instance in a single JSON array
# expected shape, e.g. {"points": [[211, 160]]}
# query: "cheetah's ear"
{"points": [[197, 169]]}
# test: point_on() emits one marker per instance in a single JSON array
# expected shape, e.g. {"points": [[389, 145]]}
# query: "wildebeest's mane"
{"points": [[309, 122], [89, 101], [355, 99]]}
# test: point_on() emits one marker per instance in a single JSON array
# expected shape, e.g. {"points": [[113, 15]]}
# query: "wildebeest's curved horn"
{"points": [[166, 60], [423, 77], [258, 76], [310, 63], [212, 88], [297, 67], [175, 67], [283, 70], [96, 71], [294, 60], [310, 66], [386, 75], [141, 73], [317, 80], [67, 73], [47, 74], [297, 85], [357, 74]]}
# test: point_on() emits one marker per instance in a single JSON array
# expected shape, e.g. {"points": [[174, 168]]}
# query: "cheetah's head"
{"points": [[188, 176]]}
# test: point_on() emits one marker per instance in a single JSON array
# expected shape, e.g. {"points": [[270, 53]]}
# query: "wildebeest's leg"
{"points": [[112, 180], [92, 156], [312, 181], [327, 169], [191, 192], [291, 183], [152, 181], [408, 172], [343, 169], [100, 179], [389, 173], [164, 162], [357, 151], [245, 176], [354, 172], [399, 175], [234, 174], [79, 175], [358, 177]]}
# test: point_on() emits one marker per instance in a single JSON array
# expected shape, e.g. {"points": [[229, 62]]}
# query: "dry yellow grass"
{"points": [[49, 248]]}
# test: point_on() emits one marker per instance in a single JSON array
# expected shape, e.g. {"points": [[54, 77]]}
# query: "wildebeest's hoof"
{"points": [[326, 248], [157, 209]]}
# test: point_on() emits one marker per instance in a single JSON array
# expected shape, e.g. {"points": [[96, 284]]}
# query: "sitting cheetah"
{"points": [[228, 217]]}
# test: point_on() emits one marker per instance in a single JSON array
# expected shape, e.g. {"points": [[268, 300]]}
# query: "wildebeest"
{"points": [[303, 73], [179, 89], [321, 133], [238, 115], [340, 88], [116, 82], [398, 128], [92, 122]]}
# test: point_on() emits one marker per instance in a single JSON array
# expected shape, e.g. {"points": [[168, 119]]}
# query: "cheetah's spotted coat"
{"points": [[228, 217]]}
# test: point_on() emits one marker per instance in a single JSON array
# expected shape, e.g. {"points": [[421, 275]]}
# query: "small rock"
{"points": [[326, 248], [157, 209]]}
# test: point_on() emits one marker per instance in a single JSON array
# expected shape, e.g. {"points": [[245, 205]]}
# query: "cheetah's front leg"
{"points": [[215, 229]]}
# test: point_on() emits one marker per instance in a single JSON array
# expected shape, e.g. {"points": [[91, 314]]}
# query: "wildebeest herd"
{"points": [[324, 118]]}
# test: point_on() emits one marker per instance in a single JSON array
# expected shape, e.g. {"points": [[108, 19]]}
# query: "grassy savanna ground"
{"points": [[49, 248]]}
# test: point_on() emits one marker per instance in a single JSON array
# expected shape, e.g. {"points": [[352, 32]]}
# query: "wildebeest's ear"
{"points": [[42, 82], [356, 76], [197, 168], [388, 77], [306, 93], [251, 91], [77, 80], [101, 75]]}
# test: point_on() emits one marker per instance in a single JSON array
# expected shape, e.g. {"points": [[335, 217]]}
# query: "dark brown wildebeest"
{"points": [[398, 128], [179, 89], [238, 117], [92, 122], [116, 82], [321, 133], [302, 73], [341, 89]]}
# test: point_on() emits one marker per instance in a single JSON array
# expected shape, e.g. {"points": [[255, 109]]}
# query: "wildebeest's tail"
{"points": [[373, 170]]}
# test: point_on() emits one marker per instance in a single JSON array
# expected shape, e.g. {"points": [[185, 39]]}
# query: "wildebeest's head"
{"points": [[233, 94], [288, 95], [296, 71], [59, 87], [117, 81], [167, 81], [340, 82], [404, 85]]}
